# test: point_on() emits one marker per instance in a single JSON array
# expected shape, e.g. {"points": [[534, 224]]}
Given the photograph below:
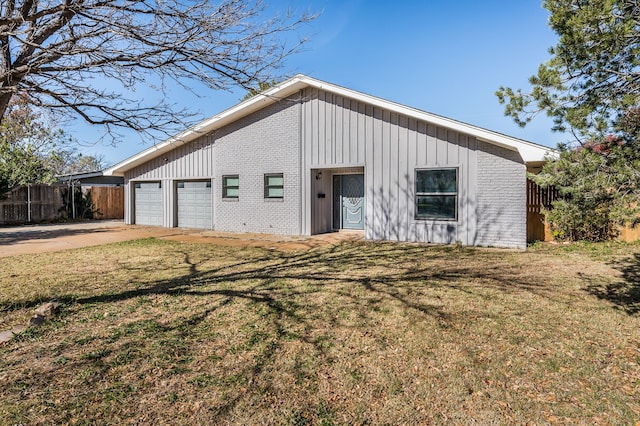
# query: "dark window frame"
{"points": [[267, 186], [138, 184], [226, 187], [180, 184], [437, 194]]}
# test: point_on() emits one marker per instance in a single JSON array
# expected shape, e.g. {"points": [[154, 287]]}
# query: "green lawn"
{"points": [[160, 332]]}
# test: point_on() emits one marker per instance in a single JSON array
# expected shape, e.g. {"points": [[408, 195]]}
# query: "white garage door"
{"points": [[194, 204], [148, 203]]}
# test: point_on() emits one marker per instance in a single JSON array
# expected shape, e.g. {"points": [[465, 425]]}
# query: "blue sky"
{"points": [[443, 57]]}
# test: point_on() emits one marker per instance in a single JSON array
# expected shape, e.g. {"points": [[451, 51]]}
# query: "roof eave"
{"points": [[81, 175], [234, 113], [530, 152]]}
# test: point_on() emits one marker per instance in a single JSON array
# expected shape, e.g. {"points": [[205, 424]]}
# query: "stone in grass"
{"points": [[36, 320], [48, 310], [5, 336], [44, 312]]}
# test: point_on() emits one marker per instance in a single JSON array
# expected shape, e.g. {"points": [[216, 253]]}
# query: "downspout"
{"points": [[302, 178], [73, 200], [29, 202]]}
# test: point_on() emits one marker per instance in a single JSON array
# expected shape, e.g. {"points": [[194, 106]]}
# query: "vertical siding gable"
{"points": [[325, 129], [442, 147], [335, 129], [338, 132], [421, 143], [453, 147], [432, 146], [192, 160], [360, 132], [353, 120], [391, 146], [402, 178]]}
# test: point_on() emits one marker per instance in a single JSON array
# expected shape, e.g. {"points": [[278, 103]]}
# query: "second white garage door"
{"points": [[194, 204]]}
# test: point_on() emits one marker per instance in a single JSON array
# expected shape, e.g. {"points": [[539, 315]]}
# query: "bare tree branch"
{"points": [[64, 53]]}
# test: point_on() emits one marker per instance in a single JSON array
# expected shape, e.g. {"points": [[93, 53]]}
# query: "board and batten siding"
{"points": [[194, 160], [343, 133], [266, 141], [320, 131]]}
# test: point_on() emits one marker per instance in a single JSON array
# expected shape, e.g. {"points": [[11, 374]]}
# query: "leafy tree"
{"points": [[591, 87], [33, 150], [21, 166], [28, 146], [592, 80], [86, 163], [85, 58], [597, 183], [68, 161]]}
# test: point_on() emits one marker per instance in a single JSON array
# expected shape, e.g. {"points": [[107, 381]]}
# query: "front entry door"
{"points": [[348, 201]]}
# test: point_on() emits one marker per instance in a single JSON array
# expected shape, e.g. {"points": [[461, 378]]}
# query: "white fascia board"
{"points": [[529, 151], [217, 121]]}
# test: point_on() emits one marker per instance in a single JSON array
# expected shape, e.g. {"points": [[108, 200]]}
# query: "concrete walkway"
{"points": [[31, 239]]}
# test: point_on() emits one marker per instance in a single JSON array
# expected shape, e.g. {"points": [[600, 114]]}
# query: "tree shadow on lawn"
{"points": [[282, 283], [346, 262], [624, 294], [403, 267]]}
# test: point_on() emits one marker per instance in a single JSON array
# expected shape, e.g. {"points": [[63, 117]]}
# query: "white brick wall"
{"points": [[264, 142], [493, 179], [501, 211]]}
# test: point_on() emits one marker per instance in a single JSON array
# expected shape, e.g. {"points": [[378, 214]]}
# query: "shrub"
{"points": [[599, 187]]}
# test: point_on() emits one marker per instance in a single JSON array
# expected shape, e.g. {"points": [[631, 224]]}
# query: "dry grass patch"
{"points": [[358, 333]]}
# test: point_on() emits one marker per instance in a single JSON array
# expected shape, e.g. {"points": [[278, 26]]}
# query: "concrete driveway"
{"points": [[31, 239], [52, 237]]}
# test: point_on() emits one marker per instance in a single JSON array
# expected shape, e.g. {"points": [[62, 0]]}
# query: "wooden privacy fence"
{"points": [[537, 199], [629, 234], [107, 202], [538, 229], [44, 203], [35, 203]]}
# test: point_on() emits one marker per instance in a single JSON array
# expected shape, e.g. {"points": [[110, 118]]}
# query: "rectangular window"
{"points": [[437, 194], [274, 185], [230, 186], [139, 184]]}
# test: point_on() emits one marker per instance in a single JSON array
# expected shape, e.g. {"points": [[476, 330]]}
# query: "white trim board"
{"points": [[529, 151]]}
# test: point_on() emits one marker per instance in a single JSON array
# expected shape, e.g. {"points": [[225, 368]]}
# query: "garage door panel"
{"points": [[194, 204], [148, 203]]}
